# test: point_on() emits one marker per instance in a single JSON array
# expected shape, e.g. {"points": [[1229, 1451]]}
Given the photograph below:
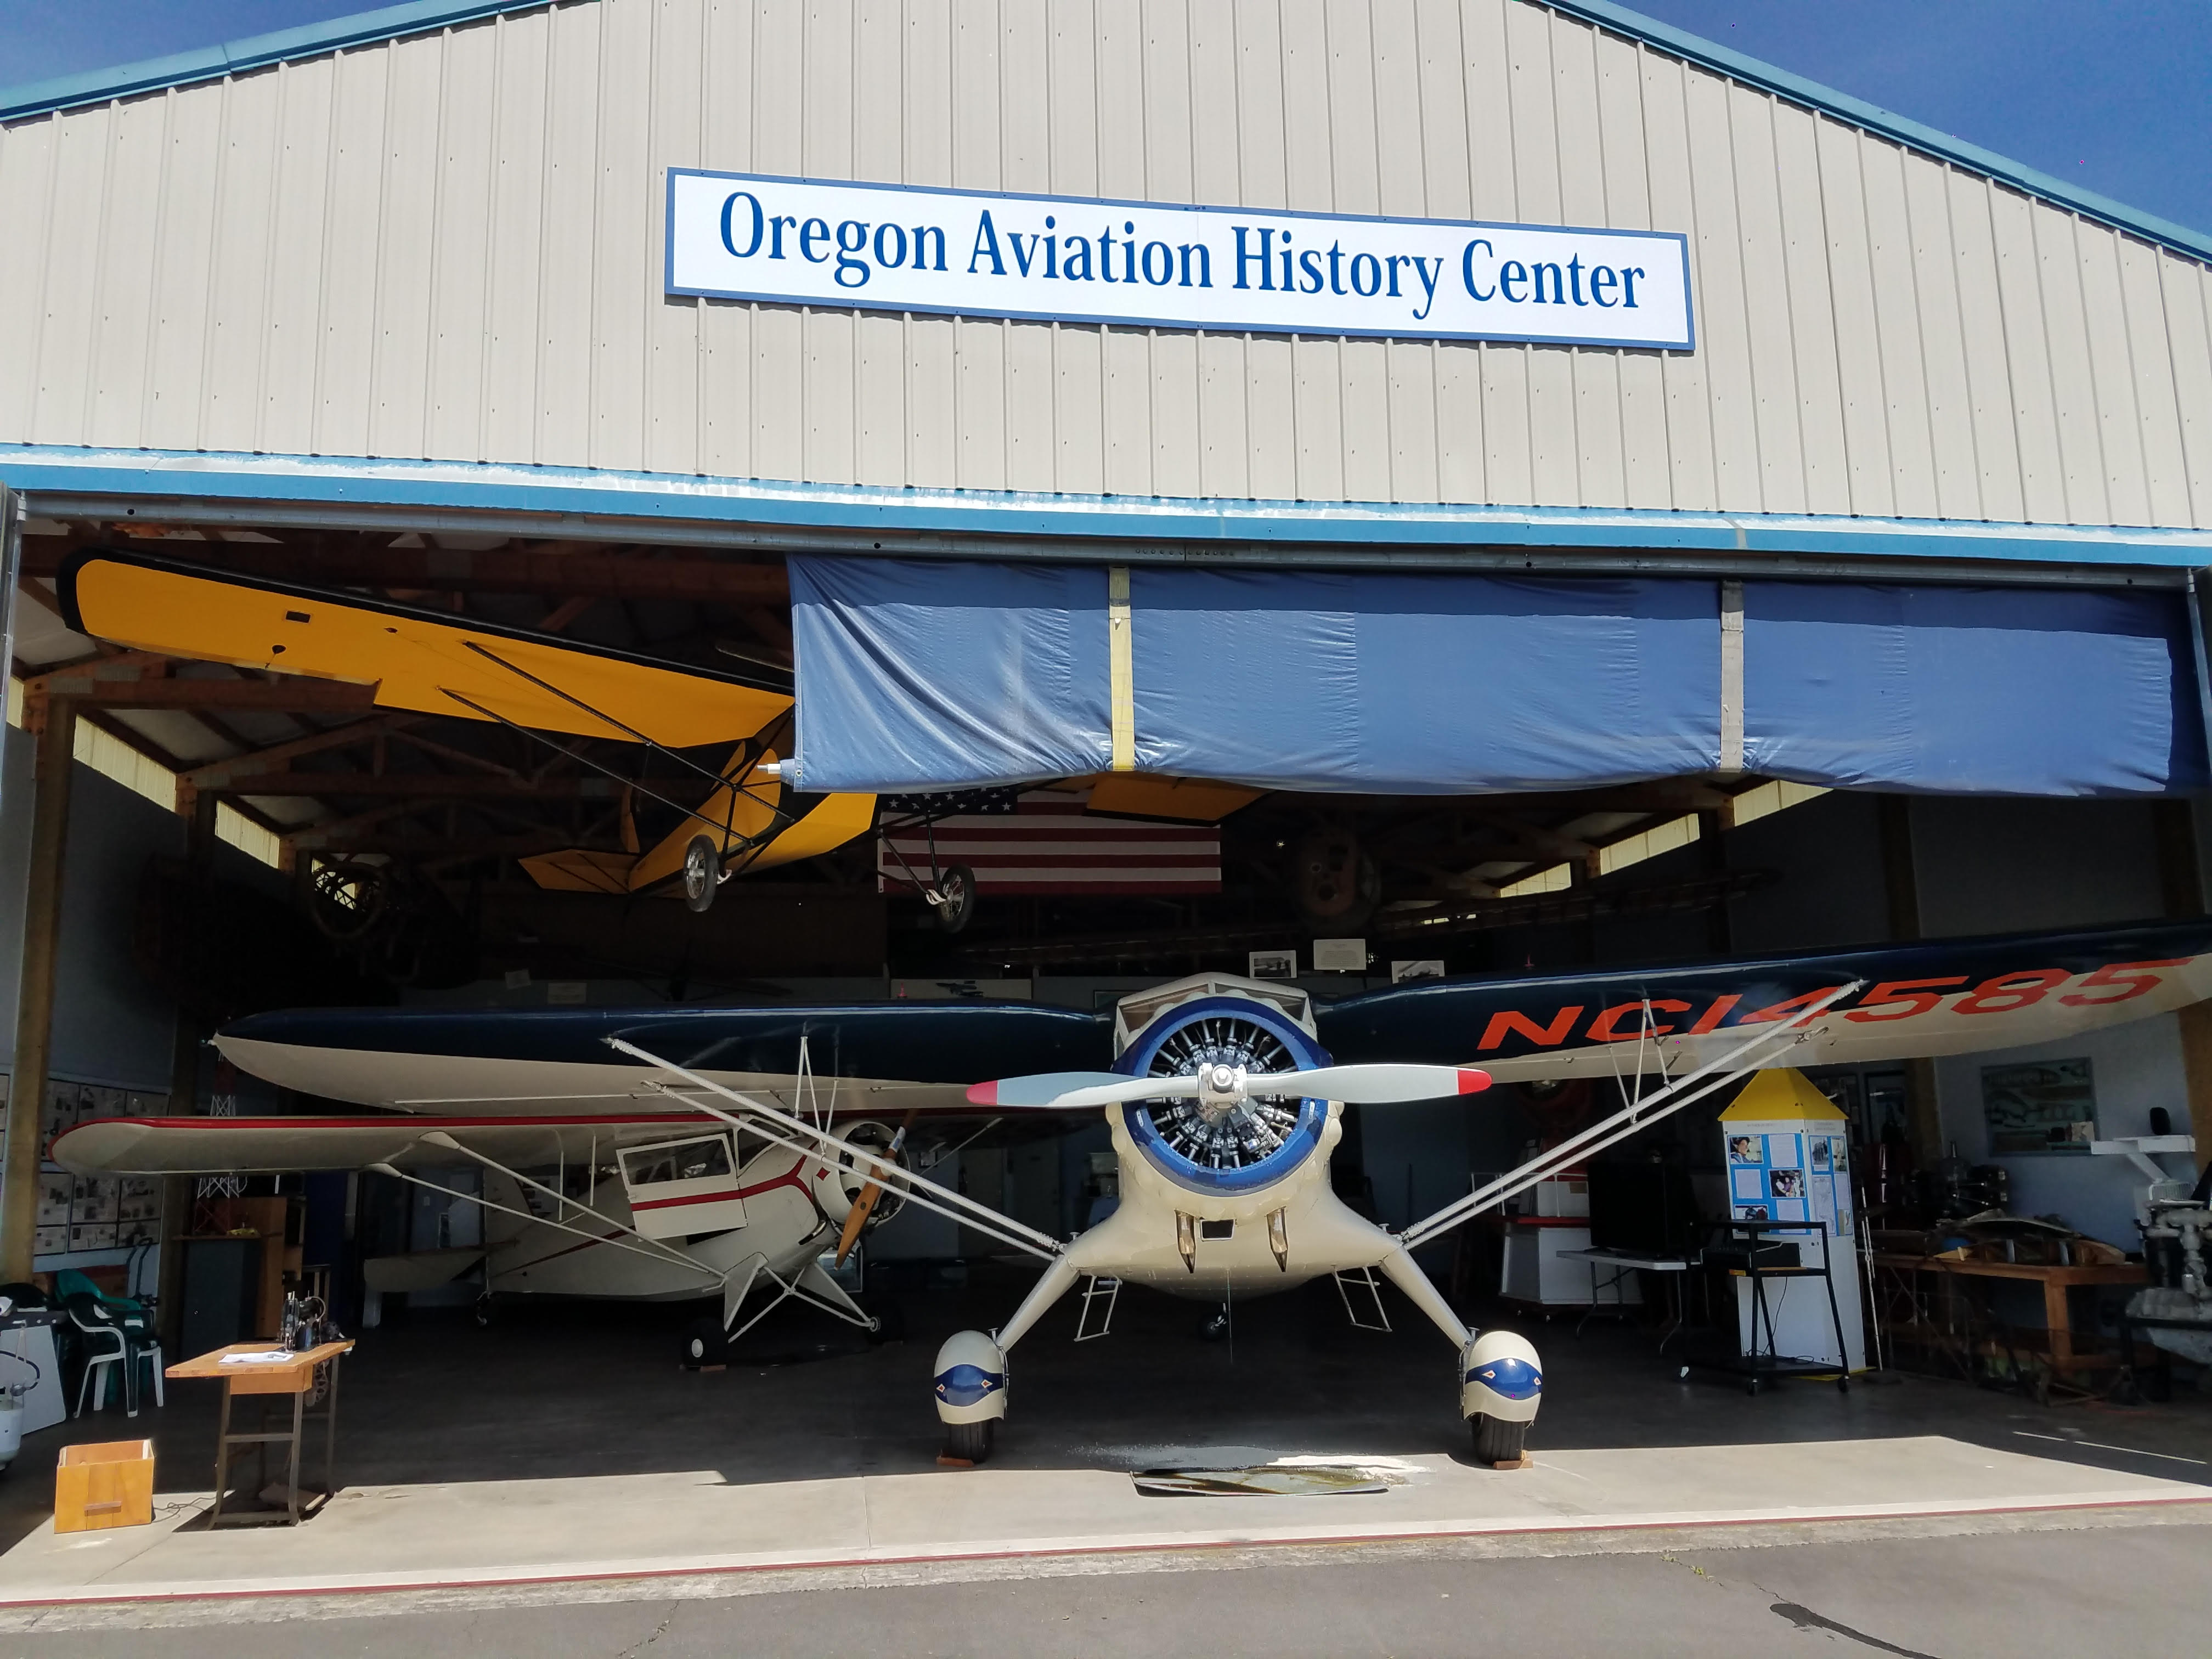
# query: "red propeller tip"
{"points": [[986, 1094], [1473, 1082]]}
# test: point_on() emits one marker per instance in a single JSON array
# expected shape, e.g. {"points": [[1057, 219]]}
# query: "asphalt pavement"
{"points": [[1987, 1595]]}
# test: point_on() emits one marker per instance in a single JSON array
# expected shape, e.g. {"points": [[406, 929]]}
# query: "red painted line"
{"points": [[695, 1197]]}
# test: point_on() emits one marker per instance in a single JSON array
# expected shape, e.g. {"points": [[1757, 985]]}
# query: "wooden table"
{"points": [[2056, 1281], [294, 1374]]}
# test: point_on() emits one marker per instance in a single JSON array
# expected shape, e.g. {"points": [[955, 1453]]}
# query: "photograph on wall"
{"points": [[1744, 1149], [2039, 1106]]}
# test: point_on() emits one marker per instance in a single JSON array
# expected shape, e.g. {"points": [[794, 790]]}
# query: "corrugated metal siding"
{"points": [[449, 246]]}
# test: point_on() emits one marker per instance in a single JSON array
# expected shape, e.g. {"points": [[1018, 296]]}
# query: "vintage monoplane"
{"points": [[629, 1130]]}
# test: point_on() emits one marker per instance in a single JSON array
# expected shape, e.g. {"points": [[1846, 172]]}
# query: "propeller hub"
{"points": [[1221, 1091]]}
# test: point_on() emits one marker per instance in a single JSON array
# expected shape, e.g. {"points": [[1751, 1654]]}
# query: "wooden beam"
{"points": [[286, 694], [500, 570], [216, 774], [34, 1007], [419, 785]]}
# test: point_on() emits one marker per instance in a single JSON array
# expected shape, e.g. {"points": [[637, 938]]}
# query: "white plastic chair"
{"points": [[100, 1327]]}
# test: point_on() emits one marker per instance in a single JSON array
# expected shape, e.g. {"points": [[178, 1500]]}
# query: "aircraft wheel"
{"points": [[971, 1441], [1495, 1440], [889, 1317], [705, 1344], [485, 1309], [955, 892], [703, 872]]}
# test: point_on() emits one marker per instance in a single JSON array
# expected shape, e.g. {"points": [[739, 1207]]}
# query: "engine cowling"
{"points": [[1251, 1145]]}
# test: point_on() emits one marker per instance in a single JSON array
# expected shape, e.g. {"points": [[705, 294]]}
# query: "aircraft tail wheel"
{"points": [[705, 1345], [703, 872], [970, 1442], [889, 1317], [1496, 1441], [955, 897], [484, 1311]]}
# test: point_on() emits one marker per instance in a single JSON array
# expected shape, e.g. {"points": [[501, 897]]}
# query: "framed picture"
{"points": [[1270, 964], [2041, 1106]]}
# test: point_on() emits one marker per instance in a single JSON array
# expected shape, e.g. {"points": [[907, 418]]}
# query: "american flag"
{"points": [[1048, 846]]}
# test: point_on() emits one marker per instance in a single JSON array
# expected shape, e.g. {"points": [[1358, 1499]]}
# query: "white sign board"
{"points": [[886, 247]]}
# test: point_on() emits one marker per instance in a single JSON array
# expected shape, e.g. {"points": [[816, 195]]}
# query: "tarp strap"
{"points": [[1731, 755], [2194, 599], [1120, 648]]}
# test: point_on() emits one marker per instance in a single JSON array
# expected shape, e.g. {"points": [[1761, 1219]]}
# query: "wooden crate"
{"points": [[108, 1484]]}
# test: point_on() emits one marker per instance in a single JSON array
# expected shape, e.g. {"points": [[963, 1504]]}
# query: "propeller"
{"points": [[871, 1195], [1373, 1085]]}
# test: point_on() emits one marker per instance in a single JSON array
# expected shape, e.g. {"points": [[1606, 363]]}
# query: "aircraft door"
{"points": [[677, 1188]]}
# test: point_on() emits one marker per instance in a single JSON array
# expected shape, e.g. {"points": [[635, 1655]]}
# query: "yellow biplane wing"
{"points": [[416, 660], [431, 664]]}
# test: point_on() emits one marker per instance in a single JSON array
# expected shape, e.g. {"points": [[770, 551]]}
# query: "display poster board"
{"points": [[1782, 1169], [1787, 1149]]}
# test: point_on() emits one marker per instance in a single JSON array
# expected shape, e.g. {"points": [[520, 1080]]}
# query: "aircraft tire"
{"points": [[486, 1309], [1495, 1440], [956, 887], [703, 872], [970, 1441], [889, 1317], [705, 1343]]}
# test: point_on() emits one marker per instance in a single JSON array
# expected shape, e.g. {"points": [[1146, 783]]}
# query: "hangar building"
{"points": [[1585, 496]]}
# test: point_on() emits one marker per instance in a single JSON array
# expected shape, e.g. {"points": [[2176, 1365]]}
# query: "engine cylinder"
{"points": [[1222, 1152]]}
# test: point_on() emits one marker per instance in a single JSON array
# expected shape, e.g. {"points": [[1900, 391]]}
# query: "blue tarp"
{"points": [[1971, 690], [920, 675]]}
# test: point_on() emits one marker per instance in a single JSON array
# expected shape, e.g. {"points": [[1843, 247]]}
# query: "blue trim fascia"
{"points": [[420, 17], [1795, 89], [686, 498], [253, 51]]}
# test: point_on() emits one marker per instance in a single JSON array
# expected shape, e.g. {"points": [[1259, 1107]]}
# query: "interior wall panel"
{"points": [[447, 246]]}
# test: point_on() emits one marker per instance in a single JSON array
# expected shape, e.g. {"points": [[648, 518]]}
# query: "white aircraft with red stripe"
{"points": [[1224, 1097]]}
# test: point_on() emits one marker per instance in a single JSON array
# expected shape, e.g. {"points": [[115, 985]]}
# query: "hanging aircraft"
{"points": [[1224, 1097], [430, 663], [547, 688]]}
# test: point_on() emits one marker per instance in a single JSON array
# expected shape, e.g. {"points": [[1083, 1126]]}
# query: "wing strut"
{"points": [[440, 1138], [957, 1206], [705, 1271], [1639, 1114]]}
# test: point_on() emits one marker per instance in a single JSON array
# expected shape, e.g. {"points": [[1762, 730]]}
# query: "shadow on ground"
{"points": [[577, 1389]]}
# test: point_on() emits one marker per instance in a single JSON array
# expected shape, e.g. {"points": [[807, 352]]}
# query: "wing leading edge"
{"points": [[1918, 1000]]}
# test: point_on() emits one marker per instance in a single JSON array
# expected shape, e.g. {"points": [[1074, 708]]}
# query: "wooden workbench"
{"points": [[2057, 1282], [294, 1374]]}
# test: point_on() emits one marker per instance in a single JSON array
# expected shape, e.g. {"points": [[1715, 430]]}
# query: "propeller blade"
{"points": [[1072, 1090], [871, 1195], [1370, 1085]]}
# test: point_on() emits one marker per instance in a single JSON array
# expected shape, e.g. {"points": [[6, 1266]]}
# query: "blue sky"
{"points": [[2114, 94]]}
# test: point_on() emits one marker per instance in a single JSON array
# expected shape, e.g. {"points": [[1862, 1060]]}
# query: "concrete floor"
{"points": [[538, 1437]]}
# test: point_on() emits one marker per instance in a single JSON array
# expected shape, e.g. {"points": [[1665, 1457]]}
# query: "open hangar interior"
{"points": [[1719, 669]]}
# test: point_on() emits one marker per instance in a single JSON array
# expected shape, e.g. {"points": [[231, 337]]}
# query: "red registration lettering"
{"points": [[1550, 1036], [1767, 1015], [1601, 1029], [2134, 977], [1918, 996], [2008, 993]]}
